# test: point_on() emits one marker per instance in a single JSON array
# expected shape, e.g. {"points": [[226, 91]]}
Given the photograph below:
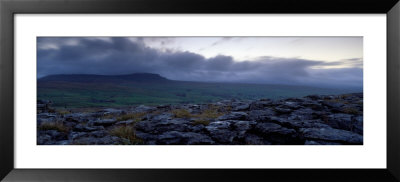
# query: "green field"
{"points": [[82, 95]]}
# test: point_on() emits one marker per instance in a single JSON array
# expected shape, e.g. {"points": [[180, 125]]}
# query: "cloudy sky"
{"points": [[317, 61]]}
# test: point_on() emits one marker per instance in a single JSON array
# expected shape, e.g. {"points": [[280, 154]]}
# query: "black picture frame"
{"points": [[8, 8]]}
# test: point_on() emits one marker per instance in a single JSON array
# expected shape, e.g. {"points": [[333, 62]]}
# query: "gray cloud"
{"points": [[352, 62], [125, 56], [222, 40]]}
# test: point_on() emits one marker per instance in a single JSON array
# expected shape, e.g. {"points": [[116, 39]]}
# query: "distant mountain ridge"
{"points": [[135, 77]]}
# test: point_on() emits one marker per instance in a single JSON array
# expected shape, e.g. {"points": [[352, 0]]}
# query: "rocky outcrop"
{"points": [[43, 106], [311, 120]]}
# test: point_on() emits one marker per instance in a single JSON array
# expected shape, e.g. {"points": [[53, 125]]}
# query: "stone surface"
{"points": [[340, 121], [221, 131], [331, 134], [104, 122], [311, 120], [277, 134], [234, 116], [261, 115], [160, 126], [188, 138]]}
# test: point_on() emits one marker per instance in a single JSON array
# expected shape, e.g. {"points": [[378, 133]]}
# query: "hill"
{"points": [[87, 78], [83, 90]]}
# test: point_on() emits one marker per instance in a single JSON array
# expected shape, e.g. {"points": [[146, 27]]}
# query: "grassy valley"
{"points": [[81, 91]]}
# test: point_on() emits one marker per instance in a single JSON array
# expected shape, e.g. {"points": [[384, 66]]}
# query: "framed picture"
{"points": [[202, 90]]}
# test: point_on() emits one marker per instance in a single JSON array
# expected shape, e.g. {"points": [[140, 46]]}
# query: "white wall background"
{"points": [[371, 155]]}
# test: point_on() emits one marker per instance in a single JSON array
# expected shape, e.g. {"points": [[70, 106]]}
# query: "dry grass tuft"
{"points": [[134, 116], [126, 132], [350, 110], [63, 112], [201, 122], [210, 113], [59, 126], [206, 116], [181, 113]]}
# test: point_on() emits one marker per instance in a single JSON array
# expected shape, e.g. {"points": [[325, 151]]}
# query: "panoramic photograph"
{"points": [[200, 90]]}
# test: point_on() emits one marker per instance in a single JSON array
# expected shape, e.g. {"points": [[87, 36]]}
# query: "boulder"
{"points": [[240, 106], [269, 128], [77, 117], [197, 128], [44, 139], [251, 139], [143, 108], [302, 114], [290, 105], [98, 133], [145, 136], [161, 117], [320, 142], [241, 127], [183, 138], [234, 116], [112, 111], [63, 142], [261, 115], [358, 125], [85, 128], [156, 126], [56, 135], [221, 132], [277, 134], [281, 110], [103, 122], [296, 124], [332, 135], [340, 121], [314, 105], [107, 140], [260, 104], [333, 104], [74, 135]]}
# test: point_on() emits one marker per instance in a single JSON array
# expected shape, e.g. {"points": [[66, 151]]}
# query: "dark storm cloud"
{"points": [[124, 56]]}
